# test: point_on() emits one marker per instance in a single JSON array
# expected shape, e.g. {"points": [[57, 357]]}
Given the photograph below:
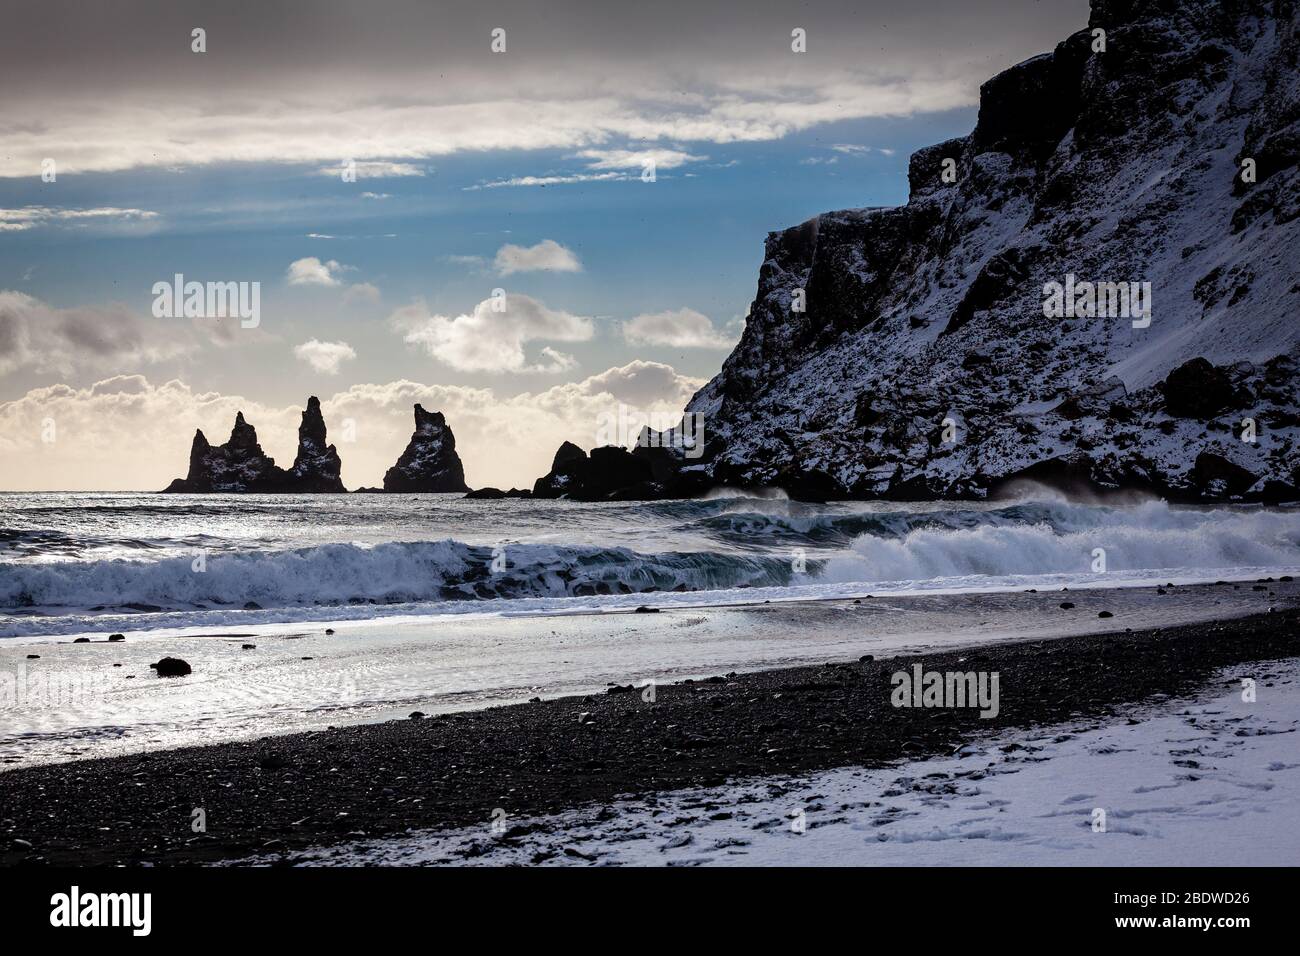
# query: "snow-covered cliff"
{"points": [[924, 365]]}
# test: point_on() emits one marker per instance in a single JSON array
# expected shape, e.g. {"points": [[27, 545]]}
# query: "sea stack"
{"points": [[317, 467], [430, 463], [240, 465]]}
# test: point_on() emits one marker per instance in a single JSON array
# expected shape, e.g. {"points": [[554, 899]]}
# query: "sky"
{"points": [[522, 215]]}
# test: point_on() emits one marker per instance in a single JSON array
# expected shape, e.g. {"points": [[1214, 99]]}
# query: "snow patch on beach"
{"points": [[1209, 782]]}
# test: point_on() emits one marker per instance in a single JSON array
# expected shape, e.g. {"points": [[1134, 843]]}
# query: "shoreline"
{"points": [[77, 701], [331, 787]]}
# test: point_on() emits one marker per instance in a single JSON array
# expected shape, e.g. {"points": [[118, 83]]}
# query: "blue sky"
{"points": [[692, 238]]}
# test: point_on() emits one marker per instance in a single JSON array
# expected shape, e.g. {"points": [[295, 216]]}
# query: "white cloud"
{"points": [[487, 340], [372, 169], [370, 195], [854, 149], [29, 217], [638, 159], [684, 328], [311, 271], [325, 357], [611, 165], [551, 180], [547, 256], [127, 433]]}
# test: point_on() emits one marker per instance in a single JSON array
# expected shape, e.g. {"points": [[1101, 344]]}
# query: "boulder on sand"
{"points": [[172, 667]]}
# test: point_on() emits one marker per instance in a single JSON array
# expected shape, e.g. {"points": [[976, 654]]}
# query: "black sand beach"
{"points": [[325, 788]]}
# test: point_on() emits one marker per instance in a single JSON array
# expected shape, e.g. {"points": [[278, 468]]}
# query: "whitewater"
{"points": [[75, 562]]}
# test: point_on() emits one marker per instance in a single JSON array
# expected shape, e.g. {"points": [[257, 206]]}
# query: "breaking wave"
{"points": [[1151, 536], [393, 573]]}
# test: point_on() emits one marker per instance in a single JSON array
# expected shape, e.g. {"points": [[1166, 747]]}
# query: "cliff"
{"points": [[935, 357]]}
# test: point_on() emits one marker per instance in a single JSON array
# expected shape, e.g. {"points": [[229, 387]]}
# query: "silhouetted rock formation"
{"points": [[429, 463], [612, 473], [317, 466], [495, 494], [240, 465]]}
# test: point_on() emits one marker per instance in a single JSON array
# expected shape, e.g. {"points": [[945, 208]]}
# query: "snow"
{"points": [[1210, 781]]}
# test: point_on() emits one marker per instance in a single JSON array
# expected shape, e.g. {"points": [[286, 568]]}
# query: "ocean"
{"points": [[74, 563], [301, 613]]}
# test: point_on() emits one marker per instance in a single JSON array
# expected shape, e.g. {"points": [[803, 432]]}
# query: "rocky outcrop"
{"points": [[926, 361], [612, 473], [317, 466], [240, 465], [429, 463], [496, 494]]}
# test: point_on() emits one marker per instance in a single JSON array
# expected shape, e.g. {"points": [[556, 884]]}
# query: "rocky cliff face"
{"points": [[930, 360], [240, 465], [430, 462]]}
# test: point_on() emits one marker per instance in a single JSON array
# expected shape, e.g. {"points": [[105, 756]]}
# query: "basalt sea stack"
{"points": [[240, 465], [429, 463]]}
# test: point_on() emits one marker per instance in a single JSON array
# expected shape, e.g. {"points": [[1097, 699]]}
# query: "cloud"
{"points": [[29, 217], [324, 357], [311, 271], [638, 159], [371, 169], [370, 195], [488, 340], [551, 180], [41, 338], [362, 292], [473, 262], [547, 256], [684, 328], [854, 149], [397, 91], [127, 433]]}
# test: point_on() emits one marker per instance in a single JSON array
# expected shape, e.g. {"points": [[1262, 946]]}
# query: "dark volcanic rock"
{"points": [[172, 667], [487, 494], [429, 463], [567, 452], [657, 467], [240, 465], [1197, 389], [1218, 478], [1082, 171], [492, 494], [609, 470], [316, 469]]}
